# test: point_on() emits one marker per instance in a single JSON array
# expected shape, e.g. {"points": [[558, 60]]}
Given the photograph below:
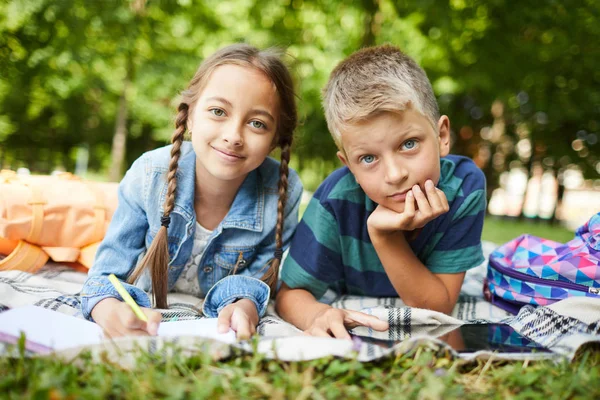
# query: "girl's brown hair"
{"points": [[269, 63]]}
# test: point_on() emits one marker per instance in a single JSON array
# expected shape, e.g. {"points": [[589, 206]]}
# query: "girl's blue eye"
{"points": [[217, 111], [257, 124], [367, 159], [410, 144]]}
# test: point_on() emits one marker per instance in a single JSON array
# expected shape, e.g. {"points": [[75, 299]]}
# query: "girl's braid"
{"points": [[157, 257], [271, 275]]}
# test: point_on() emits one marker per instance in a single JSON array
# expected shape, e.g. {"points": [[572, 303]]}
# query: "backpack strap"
{"points": [[24, 257], [21, 255], [37, 204], [36, 201]]}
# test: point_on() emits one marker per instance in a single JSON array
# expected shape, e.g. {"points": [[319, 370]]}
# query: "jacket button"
{"points": [[207, 269]]}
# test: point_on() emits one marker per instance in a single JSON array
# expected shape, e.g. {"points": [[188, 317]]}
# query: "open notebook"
{"points": [[46, 330]]}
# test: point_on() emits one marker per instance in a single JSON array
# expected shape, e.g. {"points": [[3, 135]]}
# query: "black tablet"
{"points": [[470, 338]]}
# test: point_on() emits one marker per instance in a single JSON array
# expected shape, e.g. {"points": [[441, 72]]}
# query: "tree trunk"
{"points": [[370, 8], [117, 154]]}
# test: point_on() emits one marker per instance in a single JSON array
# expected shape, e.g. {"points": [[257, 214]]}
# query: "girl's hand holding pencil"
{"points": [[125, 318], [118, 319]]}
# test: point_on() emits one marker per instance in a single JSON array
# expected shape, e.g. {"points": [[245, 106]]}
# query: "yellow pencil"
{"points": [[127, 297]]}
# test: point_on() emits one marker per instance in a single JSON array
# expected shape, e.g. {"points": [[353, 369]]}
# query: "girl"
{"points": [[213, 217]]}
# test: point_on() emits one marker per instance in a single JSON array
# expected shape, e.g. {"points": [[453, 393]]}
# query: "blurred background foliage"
{"points": [[519, 80]]}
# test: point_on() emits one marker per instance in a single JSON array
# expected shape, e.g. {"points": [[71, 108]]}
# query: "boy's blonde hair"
{"points": [[374, 80]]}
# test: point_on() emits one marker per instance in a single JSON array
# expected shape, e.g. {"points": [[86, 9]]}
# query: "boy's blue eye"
{"points": [[217, 112], [367, 159], [410, 144], [257, 124]]}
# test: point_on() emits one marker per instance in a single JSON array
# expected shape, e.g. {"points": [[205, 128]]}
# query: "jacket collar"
{"points": [[247, 210]]}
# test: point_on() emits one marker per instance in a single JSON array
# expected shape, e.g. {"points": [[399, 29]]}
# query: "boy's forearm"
{"points": [[298, 306], [414, 283]]}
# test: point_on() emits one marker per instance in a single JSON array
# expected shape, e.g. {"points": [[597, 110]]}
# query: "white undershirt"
{"points": [[188, 280]]}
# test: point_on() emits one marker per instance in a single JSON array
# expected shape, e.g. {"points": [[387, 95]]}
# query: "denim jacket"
{"points": [[246, 236]]}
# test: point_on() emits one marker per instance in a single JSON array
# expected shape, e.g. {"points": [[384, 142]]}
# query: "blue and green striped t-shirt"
{"points": [[331, 248]]}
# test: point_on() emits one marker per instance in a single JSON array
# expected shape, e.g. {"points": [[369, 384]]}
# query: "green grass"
{"points": [[421, 374], [500, 230]]}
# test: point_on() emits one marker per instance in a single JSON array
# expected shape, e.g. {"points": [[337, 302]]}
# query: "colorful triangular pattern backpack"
{"points": [[532, 270]]}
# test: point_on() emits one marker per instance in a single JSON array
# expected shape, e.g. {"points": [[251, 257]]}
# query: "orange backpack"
{"points": [[59, 217]]}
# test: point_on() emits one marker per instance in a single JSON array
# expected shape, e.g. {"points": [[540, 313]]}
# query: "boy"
{"points": [[402, 218]]}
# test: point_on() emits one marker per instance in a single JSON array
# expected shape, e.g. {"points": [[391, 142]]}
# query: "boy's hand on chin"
{"points": [[241, 316], [429, 205], [334, 322]]}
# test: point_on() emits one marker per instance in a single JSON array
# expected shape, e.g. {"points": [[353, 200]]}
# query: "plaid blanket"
{"points": [[562, 327]]}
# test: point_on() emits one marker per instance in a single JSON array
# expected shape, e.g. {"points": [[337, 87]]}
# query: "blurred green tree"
{"points": [[519, 80]]}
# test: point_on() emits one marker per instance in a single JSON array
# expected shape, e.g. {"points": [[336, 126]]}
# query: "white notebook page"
{"points": [[48, 330]]}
